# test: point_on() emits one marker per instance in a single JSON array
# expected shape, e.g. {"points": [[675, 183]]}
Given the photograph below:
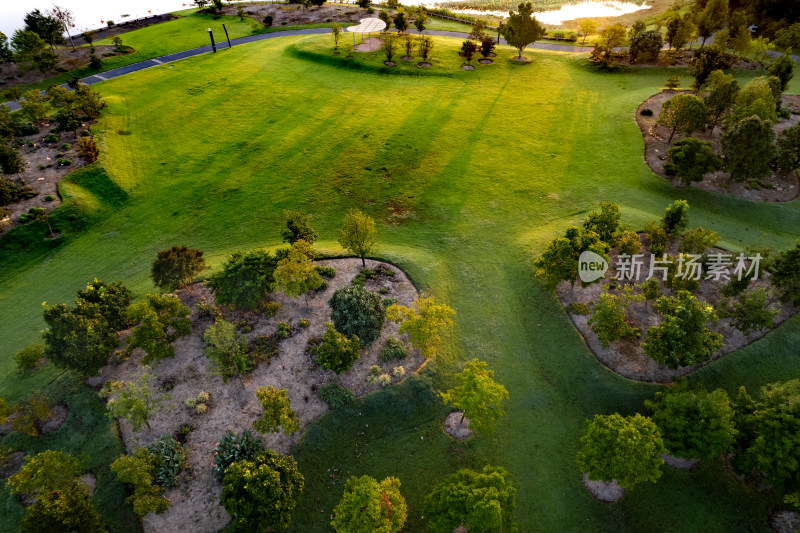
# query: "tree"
{"points": [[682, 338], [358, 234], [712, 18], [683, 113], [370, 507], [176, 267], [31, 51], [522, 28], [755, 98], [752, 311], [386, 18], [786, 274], [295, 275], [646, 46], [608, 320], [425, 47], [706, 61], [468, 48], [44, 472], [357, 311], [636, 28], [423, 324], [400, 21], [487, 46], [788, 147], [722, 91], [692, 159], [48, 28], [4, 411], [67, 20], [75, 341], [88, 37], [588, 27], [227, 349], [676, 218], [6, 54], [748, 148], [335, 351], [783, 69], [263, 492], [694, 423], [298, 228], [162, 320], [610, 38], [420, 18], [87, 101], [606, 222], [64, 510], [245, 280], [337, 33], [476, 501], [625, 449], [697, 240], [108, 300], [559, 261], [140, 471], [87, 149], [679, 31], [11, 162], [477, 395], [788, 37], [276, 411], [67, 120], [31, 413], [33, 106], [137, 400]]}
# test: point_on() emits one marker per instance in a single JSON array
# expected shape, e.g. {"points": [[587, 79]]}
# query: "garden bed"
{"points": [[195, 502], [627, 358], [778, 187], [296, 14]]}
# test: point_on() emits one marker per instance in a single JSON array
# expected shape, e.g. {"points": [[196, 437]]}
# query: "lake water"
{"points": [[589, 8]]}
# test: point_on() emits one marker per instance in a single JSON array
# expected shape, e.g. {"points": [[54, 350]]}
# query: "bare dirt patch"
{"points": [[456, 427], [13, 462], [485, 61], [370, 44], [296, 14], [42, 171], [679, 462], [784, 522], [778, 187], [90, 481], [467, 67], [626, 358], [195, 503], [604, 491], [58, 415]]}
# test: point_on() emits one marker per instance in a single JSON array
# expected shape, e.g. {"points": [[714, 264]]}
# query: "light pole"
{"points": [[227, 36], [213, 44]]}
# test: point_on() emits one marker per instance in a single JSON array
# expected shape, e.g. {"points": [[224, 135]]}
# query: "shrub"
{"points": [[277, 412], [262, 492], [162, 320], [49, 198], [268, 21], [245, 280], [234, 448], [692, 159], [228, 350], [264, 347], [657, 238], [369, 506], [384, 380], [673, 82], [393, 349], [31, 413], [51, 138], [169, 458], [325, 271], [398, 371], [335, 351], [66, 146], [336, 396], [608, 320], [95, 62], [357, 312], [303, 323], [645, 46], [140, 470], [44, 472], [578, 308], [284, 330], [87, 149], [67, 120], [628, 243], [28, 358], [66, 509]]}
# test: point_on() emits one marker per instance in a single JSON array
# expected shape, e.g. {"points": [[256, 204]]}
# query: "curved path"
{"points": [[134, 67]]}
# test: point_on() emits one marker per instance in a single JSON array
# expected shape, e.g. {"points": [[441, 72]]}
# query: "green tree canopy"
{"points": [[625, 449], [139, 470], [785, 271], [783, 68], [608, 320], [712, 18], [65, 510], [227, 350], [606, 222], [44, 472], [295, 275], [335, 351], [559, 260], [108, 300], [357, 311], [368, 506], [722, 90], [276, 411], [479, 501], [298, 228], [176, 267], [788, 145], [137, 400], [748, 148], [692, 159], [522, 28], [423, 323], [162, 320], [31, 52], [683, 113], [646, 46], [76, 341], [245, 279], [478, 395], [358, 234], [755, 98]]}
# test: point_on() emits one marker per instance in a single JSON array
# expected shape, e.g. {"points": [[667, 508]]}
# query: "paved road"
{"points": [[134, 67]]}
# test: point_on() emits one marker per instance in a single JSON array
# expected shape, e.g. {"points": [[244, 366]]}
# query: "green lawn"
{"points": [[469, 175]]}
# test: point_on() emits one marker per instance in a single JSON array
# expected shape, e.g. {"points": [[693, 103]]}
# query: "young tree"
{"points": [[87, 149], [611, 37], [752, 311], [609, 322], [6, 55], [245, 280], [423, 324], [682, 338], [522, 28], [176, 267], [30, 51], [425, 47], [722, 91], [420, 18], [692, 159], [469, 48], [108, 300], [646, 46], [335, 351], [712, 18], [162, 320], [227, 350], [63, 510], [651, 290], [295, 275], [298, 228], [33, 106], [748, 148], [88, 37], [46, 27], [137, 400], [706, 61], [694, 423], [357, 311], [786, 274], [478, 395], [358, 234], [697, 240], [67, 20], [588, 27], [476, 501], [44, 472], [400, 21], [409, 44], [625, 449], [75, 341], [276, 411], [263, 492], [559, 261], [755, 98], [140, 471], [684, 113], [636, 29], [676, 218], [11, 162], [487, 46], [788, 147], [606, 222], [370, 507], [337, 33]]}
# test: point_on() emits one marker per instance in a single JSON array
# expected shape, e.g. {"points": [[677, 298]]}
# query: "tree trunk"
{"points": [[363, 262], [463, 413]]}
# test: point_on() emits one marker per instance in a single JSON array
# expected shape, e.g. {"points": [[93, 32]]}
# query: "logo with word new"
{"points": [[591, 266]]}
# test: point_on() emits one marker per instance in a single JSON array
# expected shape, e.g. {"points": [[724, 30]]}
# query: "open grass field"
{"points": [[469, 175]]}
